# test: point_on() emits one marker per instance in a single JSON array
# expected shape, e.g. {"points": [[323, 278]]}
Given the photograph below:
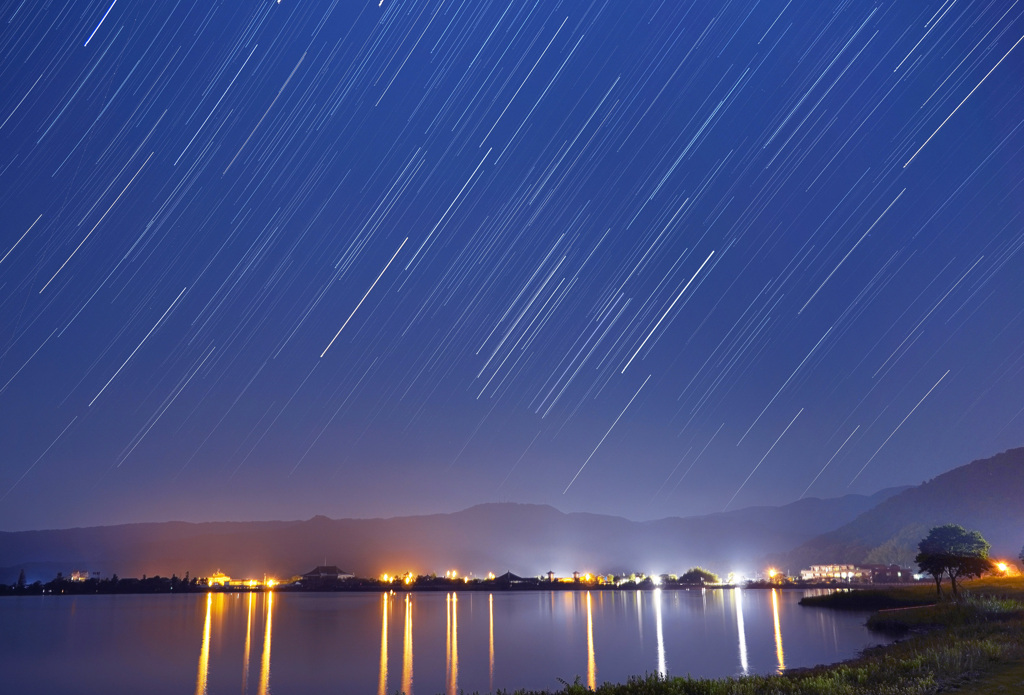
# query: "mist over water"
{"points": [[417, 643]]}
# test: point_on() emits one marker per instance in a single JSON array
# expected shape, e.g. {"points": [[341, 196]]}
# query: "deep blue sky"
{"points": [[642, 258]]}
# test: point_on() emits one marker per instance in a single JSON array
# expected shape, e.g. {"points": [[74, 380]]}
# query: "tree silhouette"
{"points": [[699, 575], [954, 551]]}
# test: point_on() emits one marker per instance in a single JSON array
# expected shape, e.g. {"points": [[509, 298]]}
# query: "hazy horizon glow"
{"points": [[277, 259]]}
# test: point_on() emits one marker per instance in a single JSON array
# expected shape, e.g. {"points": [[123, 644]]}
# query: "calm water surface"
{"points": [[422, 643]]}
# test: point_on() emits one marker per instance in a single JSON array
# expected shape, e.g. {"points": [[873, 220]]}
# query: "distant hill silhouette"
{"points": [[526, 539], [985, 496]]}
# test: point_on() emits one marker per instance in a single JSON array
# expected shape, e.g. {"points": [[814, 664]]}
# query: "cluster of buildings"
{"points": [[869, 574]]}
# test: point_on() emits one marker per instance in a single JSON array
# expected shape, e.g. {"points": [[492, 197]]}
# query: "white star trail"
{"points": [[606, 435]]}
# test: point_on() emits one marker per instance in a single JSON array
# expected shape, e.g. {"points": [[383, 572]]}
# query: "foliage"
{"points": [[899, 549], [699, 575], [952, 550]]}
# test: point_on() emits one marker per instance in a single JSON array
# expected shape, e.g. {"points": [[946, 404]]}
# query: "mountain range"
{"points": [[533, 539]]}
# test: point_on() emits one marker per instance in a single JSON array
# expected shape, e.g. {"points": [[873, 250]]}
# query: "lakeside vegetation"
{"points": [[974, 645]]}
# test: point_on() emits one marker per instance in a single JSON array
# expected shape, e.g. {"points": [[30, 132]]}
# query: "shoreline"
{"points": [[974, 647]]}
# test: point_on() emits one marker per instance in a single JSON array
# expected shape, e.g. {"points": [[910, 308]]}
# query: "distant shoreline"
{"points": [[164, 585]]}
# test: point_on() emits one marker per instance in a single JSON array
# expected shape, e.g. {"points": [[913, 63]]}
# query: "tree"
{"points": [[934, 565], [699, 575], [954, 551], [21, 580]]}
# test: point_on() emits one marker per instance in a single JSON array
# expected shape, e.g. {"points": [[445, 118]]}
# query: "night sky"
{"points": [[265, 260]]}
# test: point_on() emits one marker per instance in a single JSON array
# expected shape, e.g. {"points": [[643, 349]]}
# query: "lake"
{"points": [[422, 643]]}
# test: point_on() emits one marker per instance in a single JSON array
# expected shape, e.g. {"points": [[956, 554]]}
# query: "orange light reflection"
{"points": [[591, 663], [204, 652], [407, 649], [382, 688], [490, 613], [778, 632], [248, 642], [265, 661]]}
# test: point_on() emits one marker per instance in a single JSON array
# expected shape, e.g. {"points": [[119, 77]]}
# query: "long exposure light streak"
{"points": [[364, 298], [606, 435]]}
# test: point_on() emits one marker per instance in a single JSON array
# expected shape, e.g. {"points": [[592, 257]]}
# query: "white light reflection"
{"points": [[640, 616], [737, 597], [662, 667]]}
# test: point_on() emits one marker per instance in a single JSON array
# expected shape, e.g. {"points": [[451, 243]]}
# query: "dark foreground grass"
{"points": [[975, 646]]}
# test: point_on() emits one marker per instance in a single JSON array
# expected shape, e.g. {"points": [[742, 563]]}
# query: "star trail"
{"points": [[275, 259]]}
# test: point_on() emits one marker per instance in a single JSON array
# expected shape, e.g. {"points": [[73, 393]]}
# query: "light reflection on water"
{"points": [[491, 630], [248, 641], [591, 661], [452, 662], [365, 642], [407, 648], [737, 596], [778, 632], [382, 688], [265, 661], [662, 667], [204, 651]]}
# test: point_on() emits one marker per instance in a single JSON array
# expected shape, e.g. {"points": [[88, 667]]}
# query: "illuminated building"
{"points": [[218, 578], [878, 574]]}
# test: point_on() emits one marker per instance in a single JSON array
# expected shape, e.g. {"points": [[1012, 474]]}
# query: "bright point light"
{"points": [[772, 572], [1002, 566]]}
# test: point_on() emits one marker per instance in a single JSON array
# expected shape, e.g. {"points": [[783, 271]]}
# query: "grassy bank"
{"points": [[974, 647]]}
